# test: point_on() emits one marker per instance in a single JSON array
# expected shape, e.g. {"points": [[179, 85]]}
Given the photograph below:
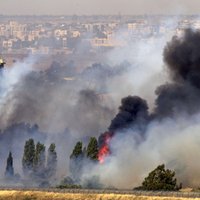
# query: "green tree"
{"points": [[51, 160], [28, 157], [92, 149], [76, 161], [9, 173], [39, 159], [160, 179], [77, 151]]}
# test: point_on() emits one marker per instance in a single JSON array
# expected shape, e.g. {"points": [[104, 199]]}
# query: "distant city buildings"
{"points": [[65, 35]]}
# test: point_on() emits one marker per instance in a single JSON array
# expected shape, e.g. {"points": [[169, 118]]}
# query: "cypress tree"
{"points": [[76, 161], [9, 173], [51, 160], [92, 149], [77, 151], [39, 159], [28, 157]]}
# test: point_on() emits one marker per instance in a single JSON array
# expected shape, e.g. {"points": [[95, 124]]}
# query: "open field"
{"points": [[45, 195]]}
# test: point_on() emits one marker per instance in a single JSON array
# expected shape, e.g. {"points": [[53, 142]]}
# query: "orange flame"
{"points": [[104, 151]]}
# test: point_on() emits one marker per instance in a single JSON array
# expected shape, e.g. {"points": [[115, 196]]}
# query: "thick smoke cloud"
{"points": [[68, 106], [176, 99], [174, 142], [133, 110], [60, 104], [55, 103], [172, 131], [182, 57]]}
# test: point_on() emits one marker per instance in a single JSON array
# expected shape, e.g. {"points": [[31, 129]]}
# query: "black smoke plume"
{"points": [[182, 96], [176, 99], [133, 109], [182, 57], [172, 124], [133, 112]]}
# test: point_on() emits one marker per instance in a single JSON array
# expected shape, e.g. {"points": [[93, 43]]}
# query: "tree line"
{"points": [[40, 167], [36, 165]]}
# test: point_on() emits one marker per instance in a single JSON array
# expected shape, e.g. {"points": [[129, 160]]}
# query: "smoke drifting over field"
{"points": [[158, 120]]}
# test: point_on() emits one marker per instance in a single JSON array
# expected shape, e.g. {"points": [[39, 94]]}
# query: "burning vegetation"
{"points": [[182, 58], [136, 138], [180, 95]]}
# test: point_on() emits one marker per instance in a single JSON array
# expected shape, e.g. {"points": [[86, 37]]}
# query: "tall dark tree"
{"points": [[28, 157], [9, 173], [51, 160], [160, 179], [77, 151], [76, 161], [92, 149], [39, 159]]}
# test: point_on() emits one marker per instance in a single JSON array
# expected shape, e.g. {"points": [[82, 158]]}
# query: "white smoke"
{"points": [[174, 142], [146, 69], [10, 78]]}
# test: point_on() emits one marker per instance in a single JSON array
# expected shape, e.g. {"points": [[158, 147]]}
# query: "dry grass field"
{"points": [[34, 195]]}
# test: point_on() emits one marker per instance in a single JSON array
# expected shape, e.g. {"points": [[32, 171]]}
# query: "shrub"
{"points": [[160, 179]]}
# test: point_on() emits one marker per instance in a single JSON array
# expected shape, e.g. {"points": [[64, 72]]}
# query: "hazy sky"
{"points": [[68, 7]]}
